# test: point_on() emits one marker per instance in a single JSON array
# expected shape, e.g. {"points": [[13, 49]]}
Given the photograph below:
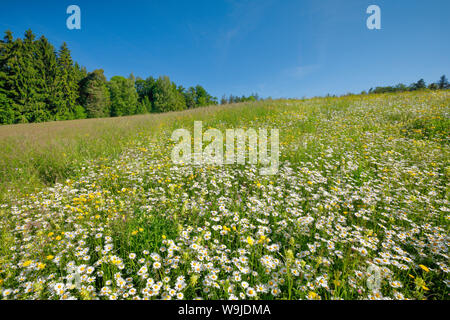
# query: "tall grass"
{"points": [[363, 180], [34, 155]]}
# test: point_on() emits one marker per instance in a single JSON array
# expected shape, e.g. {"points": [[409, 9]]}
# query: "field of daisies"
{"points": [[359, 209]]}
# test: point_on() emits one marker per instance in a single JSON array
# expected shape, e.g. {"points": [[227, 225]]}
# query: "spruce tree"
{"points": [[443, 83], [67, 78], [29, 85], [47, 71], [94, 95], [9, 112]]}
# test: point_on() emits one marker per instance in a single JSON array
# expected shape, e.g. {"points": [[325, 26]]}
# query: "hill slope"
{"points": [[358, 209]]}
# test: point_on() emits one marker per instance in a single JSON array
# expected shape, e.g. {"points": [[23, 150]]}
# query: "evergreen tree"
{"points": [[7, 115], [419, 85], [47, 71], [29, 100], [9, 111], [31, 88], [67, 81], [443, 83], [223, 100], [35, 83], [433, 86], [80, 72], [94, 95]]}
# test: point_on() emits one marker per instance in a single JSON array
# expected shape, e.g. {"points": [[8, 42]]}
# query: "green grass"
{"points": [[361, 179]]}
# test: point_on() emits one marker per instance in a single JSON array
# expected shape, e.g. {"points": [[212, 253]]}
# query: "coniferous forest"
{"points": [[39, 83]]}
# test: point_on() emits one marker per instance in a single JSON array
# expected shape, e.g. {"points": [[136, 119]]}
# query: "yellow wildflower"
{"points": [[27, 263], [424, 268], [312, 295]]}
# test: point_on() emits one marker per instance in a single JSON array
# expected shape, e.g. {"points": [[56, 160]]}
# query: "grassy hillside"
{"points": [[358, 210]]}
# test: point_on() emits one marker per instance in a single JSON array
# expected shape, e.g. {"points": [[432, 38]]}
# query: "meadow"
{"points": [[359, 209]]}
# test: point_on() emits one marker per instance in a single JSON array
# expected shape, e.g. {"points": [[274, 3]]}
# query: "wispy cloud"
{"points": [[244, 17], [299, 72]]}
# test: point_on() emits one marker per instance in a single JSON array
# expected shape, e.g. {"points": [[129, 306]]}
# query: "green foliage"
{"points": [[6, 111], [237, 99], [190, 97], [162, 95], [48, 72], [39, 84], [29, 86], [198, 97], [79, 112], [68, 77], [124, 98], [376, 165], [419, 85], [166, 97], [94, 95], [442, 84], [203, 98]]}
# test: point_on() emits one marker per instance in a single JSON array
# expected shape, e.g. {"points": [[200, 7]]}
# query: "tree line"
{"points": [[38, 83], [236, 99], [441, 84]]}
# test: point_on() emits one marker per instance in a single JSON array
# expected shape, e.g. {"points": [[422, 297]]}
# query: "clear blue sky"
{"points": [[284, 48]]}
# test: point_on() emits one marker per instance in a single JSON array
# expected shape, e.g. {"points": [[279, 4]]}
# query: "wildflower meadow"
{"points": [[358, 209]]}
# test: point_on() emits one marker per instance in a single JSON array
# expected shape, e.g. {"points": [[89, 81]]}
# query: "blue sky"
{"points": [[284, 48]]}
